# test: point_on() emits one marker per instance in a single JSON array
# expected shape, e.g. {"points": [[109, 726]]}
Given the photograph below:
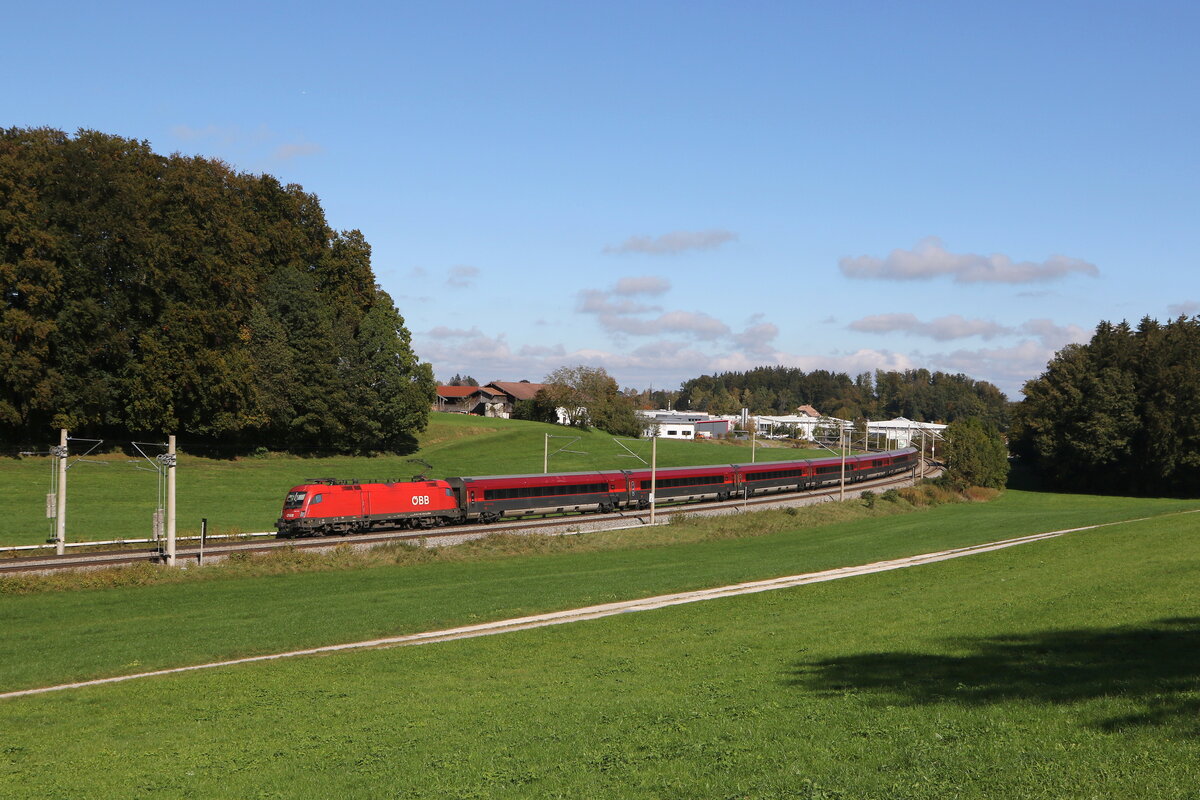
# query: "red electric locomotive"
{"points": [[331, 506]]}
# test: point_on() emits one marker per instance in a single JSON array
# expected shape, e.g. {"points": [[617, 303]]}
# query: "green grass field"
{"points": [[1060, 669], [115, 496]]}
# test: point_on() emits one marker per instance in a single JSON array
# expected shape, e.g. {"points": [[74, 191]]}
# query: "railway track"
{"points": [[551, 526]]}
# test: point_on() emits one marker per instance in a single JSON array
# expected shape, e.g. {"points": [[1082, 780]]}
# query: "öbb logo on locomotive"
{"points": [[329, 506]]}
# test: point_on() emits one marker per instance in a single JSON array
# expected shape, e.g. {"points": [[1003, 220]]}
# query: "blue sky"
{"points": [[672, 189]]}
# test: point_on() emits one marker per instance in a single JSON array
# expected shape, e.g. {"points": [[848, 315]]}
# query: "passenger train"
{"points": [[329, 506]]}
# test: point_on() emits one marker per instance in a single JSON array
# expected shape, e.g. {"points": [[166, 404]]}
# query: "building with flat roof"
{"points": [[683, 425], [903, 432]]}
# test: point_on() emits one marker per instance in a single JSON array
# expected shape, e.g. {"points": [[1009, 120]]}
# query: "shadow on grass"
{"points": [[1154, 667]]}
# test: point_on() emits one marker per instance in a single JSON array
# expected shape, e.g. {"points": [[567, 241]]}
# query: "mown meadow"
{"points": [[1060, 669], [112, 496]]}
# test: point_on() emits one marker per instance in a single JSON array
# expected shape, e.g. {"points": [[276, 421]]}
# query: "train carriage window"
{"points": [[696, 480], [774, 474], [524, 492]]}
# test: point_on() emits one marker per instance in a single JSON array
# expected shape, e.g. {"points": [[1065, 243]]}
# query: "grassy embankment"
{"points": [[1059, 669], [110, 499]]}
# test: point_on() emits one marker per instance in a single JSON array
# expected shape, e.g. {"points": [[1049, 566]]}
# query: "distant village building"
{"points": [[496, 399], [477, 400], [801, 425], [902, 432], [683, 425], [898, 432]]}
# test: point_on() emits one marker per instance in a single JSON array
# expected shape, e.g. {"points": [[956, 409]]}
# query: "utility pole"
{"points": [[921, 458], [170, 463], [60, 504], [842, 442], [653, 473]]}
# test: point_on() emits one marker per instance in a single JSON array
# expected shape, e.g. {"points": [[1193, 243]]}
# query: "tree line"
{"points": [[148, 294], [1120, 414], [917, 394]]}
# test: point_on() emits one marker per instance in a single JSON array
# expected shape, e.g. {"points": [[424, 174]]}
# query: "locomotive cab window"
{"points": [[317, 499], [294, 500]]}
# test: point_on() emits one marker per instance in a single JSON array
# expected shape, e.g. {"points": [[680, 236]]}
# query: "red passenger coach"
{"points": [[489, 498], [332, 506], [683, 484]]}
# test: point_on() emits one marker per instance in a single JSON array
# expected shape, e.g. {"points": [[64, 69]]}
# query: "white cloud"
{"points": [[1055, 337], [1006, 367], [246, 141], [930, 259], [647, 284], [955, 326], [665, 362], [542, 351], [757, 339], [675, 242], [442, 332], [1185, 309], [462, 276], [945, 328], [595, 301], [690, 323], [623, 316], [222, 134], [864, 360], [286, 152]]}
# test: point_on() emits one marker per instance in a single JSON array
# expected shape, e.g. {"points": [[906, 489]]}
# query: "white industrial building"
{"points": [[902, 432], [794, 426], [898, 432], [683, 425]]}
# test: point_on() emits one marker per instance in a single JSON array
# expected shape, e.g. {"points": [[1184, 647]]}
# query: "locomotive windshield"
{"points": [[293, 500]]}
